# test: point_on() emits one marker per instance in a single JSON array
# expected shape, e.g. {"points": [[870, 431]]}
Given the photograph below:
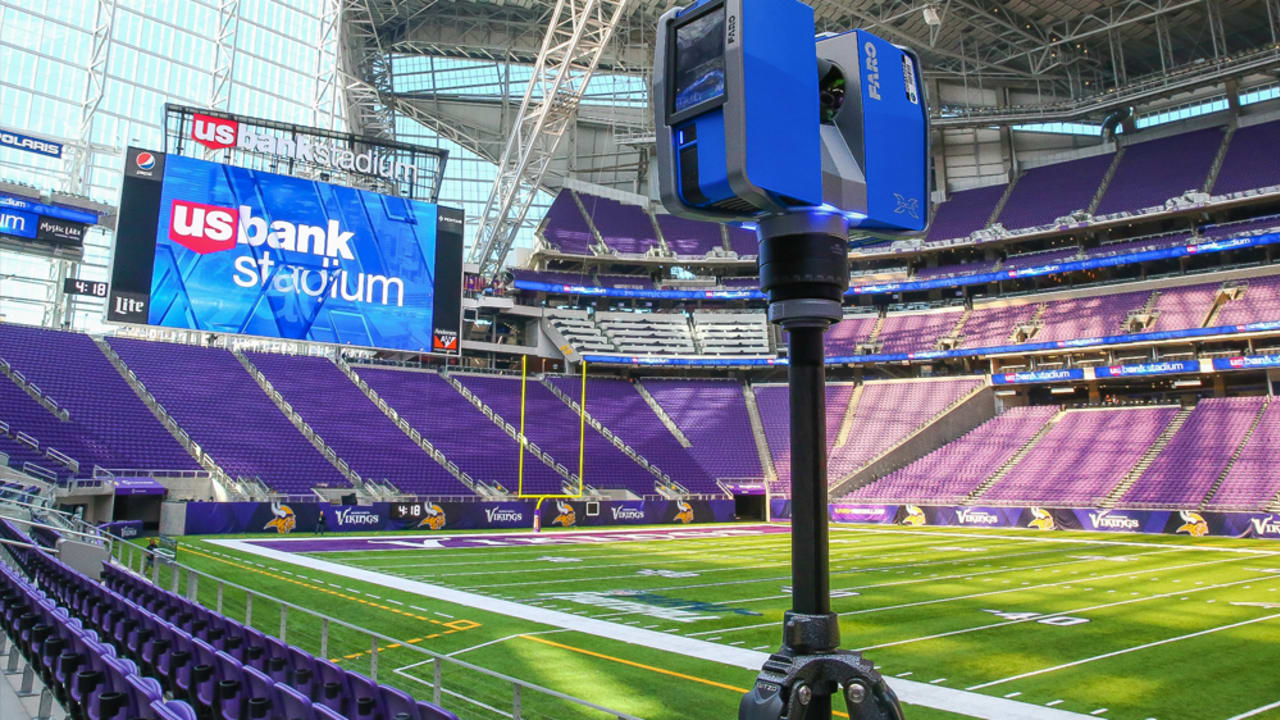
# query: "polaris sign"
{"points": [[30, 144]]}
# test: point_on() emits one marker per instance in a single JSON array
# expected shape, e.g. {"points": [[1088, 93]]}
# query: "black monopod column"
{"points": [[804, 270]]}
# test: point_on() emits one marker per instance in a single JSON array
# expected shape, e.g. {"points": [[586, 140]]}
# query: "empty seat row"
{"points": [[226, 670]]}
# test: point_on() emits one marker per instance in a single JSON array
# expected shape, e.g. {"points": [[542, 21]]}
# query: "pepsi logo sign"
{"points": [[145, 161]]}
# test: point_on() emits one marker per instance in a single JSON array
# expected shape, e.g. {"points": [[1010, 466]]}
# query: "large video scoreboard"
{"points": [[206, 246]]}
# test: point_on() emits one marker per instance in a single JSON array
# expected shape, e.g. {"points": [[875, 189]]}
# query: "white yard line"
{"points": [[559, 572], [1255, 711], [502, 640], [933, 696], [894, 583], [401, 672], [1003, 591], [855, 571], [748, 545], [395, 557], [1114, 653], [1070, 611]]}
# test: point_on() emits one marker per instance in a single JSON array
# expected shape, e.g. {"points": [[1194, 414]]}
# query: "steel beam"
{"points": [[224, 39], [81, 165], [575, 39], [325, 105]]}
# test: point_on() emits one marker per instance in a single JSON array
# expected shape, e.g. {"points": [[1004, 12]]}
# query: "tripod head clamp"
{"points": [[801, 677], [804, 266]]}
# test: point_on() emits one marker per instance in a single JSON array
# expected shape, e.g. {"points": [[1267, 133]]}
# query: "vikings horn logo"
{"points": [[915, 516], [1042, 519], [284, 521], [565, 516], [1193, 524], [435, 517], [684, 512]]}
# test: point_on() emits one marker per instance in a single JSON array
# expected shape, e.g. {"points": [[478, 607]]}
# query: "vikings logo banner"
{"points": [[1193, 524], [284, 521], [565, 515], [435, 517]]}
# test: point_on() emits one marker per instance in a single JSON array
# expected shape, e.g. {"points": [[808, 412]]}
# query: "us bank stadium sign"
{"points": [[1247, 362], [414, 171]]}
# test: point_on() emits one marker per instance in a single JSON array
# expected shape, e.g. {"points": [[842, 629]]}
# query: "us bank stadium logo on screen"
{"points": [[205, 229], [254, 253]]}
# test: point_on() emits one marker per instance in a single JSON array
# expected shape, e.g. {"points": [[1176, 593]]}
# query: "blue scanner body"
{"points": [[746, 124], [721, 99]]}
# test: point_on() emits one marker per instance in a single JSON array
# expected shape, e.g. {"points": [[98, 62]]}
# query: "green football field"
{"points": [[1099, 625]]}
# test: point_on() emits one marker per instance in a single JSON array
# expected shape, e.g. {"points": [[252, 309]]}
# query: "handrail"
{"points": [[71, 519], [377, 640]]}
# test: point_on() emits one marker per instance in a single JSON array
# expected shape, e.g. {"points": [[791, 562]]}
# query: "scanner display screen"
{"points": [[699, 61]]}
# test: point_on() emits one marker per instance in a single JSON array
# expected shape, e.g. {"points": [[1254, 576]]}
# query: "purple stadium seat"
{"points": [[1251, 160], [689, 238], [323, 712], [1182, 474], [353, 426], [565, 228], [1044, 194], [1154, 171], [554, 427], [428, 711], [1083, 457], [712, 414], [293, 705], [553, 277], [624, 228], [263, 444], [470, 440], [397, 705], [964, 212], [950, 473], [620, 407]]}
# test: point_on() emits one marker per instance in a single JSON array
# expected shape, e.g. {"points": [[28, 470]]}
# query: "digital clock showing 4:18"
{"points": [[407, 511], [91, 288]]}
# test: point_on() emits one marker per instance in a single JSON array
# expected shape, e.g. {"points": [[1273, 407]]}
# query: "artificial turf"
{"points": [[1117, 626]]}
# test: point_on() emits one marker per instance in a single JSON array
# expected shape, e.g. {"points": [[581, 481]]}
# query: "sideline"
{"points": [[1125, 651], [1069, 541], [917, 693]]}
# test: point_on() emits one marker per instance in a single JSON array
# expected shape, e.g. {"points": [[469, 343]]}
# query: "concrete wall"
{"points": [[173, 518], [193, 488], [964, 417]]}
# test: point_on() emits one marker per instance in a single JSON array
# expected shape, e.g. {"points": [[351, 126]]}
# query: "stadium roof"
{"points": [[1065, 43], [992, 62]]}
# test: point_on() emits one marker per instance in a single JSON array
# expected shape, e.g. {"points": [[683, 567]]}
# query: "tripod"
{"points": [[804, 269]]}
